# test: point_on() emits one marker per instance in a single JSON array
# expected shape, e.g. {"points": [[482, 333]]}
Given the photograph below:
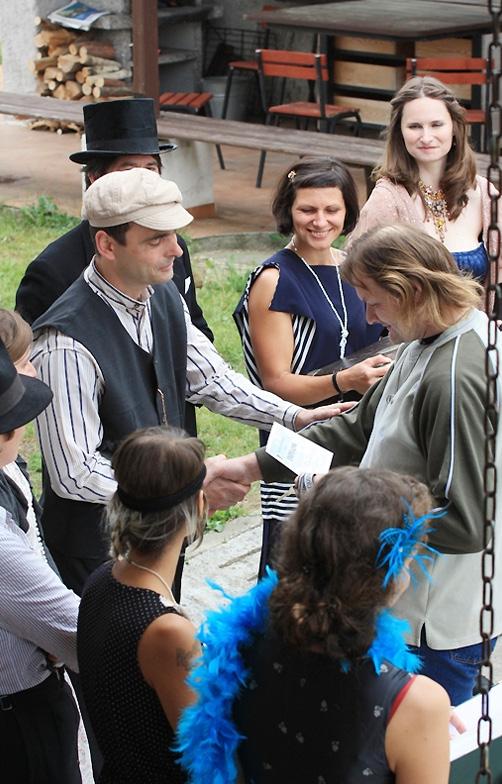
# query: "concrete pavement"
{"points": [[230, 558]]}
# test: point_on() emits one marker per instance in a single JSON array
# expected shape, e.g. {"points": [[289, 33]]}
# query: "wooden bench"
{"points": [[353, 151]]}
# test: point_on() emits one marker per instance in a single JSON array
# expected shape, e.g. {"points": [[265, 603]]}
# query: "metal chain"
{"points": [[494, 311]]}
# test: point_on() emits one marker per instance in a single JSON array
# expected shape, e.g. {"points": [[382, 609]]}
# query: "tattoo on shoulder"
{"points": [[184, 658]]}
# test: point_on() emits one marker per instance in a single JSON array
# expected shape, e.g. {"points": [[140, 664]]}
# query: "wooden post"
{"points": [[145, 39]]}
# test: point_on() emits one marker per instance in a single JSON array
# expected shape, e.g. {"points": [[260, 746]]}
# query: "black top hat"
{"points": [[21, 398], [116, 128]]}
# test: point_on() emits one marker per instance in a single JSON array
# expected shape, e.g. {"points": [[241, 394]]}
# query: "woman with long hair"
{"points": [[306, 678], [428, 175], [134, 643], [297, 315]]}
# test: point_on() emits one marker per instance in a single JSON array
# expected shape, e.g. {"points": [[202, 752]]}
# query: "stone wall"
{"points": [[17, 31]]}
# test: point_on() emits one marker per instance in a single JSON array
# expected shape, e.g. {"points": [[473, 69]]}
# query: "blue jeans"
{"points": [[456, 669]]}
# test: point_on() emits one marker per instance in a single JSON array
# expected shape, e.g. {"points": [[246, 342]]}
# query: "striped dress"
{"points": [[317, 333]]}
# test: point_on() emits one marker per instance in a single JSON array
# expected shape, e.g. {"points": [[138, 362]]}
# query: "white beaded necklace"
{"points": [[343, 322], [155, 574]]}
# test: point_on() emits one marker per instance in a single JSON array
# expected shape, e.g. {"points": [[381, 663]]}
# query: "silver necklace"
{"points": [[155, 574], [343, 322]]}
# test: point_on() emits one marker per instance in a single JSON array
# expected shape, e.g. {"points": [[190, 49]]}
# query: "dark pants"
{"points": [[270, 539], [38, 731], [74, 573]]}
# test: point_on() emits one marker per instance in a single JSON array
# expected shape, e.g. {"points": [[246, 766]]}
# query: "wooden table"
{"points": [[403, 22], [395, 20]]}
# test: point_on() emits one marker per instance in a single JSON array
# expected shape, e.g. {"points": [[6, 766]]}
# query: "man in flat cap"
{"points": [[120, 352], [120, 135]]}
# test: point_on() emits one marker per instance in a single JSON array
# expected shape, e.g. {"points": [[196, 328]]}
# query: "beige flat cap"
{"points": [[135, 196]]}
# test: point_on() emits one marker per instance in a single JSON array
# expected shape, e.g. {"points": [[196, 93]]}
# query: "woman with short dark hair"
{"points": [[297, 315]]}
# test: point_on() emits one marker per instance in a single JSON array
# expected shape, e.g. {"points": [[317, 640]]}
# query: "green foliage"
{"points": [[217, 521], [229, 277], [20, 241], [47, 214]]}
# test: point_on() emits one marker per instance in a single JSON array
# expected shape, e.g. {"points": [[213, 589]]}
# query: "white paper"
{"points": [[296, 452], [469, 712]]}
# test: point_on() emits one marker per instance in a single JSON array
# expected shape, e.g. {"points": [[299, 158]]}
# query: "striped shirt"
{"points": [[37, 613], [70, 430]]}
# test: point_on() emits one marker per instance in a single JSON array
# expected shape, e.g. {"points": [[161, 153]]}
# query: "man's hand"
{"points": [[222, 491], [306, 416]]}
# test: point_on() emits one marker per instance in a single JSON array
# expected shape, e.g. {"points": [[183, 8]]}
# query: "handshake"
{"points": [[226, 482], [228, 479]]}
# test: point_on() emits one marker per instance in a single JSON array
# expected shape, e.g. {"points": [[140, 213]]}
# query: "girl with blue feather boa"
{"points": [[306, 678]]}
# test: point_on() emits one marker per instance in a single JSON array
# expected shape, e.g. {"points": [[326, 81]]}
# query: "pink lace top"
{"points": [[389, 204]]}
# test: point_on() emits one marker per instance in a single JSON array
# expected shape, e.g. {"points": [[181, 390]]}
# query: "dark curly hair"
{"points": [[314, 173], [330, 591]]}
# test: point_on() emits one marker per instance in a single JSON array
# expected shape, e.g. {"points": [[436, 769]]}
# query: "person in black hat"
{"points": [[38, 623], [119, 135]]}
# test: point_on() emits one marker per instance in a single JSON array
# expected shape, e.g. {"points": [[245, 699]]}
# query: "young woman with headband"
{"points": [[134, 643]]}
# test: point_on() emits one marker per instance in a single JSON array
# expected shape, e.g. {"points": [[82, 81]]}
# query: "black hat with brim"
{"points": [[22, 402], [22, 398], [124, 127]]}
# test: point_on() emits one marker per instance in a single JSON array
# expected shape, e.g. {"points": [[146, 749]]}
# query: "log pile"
{"points": [[77, 66]]}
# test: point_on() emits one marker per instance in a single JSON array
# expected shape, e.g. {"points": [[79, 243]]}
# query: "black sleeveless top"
{"points": [[131, 728], [304, 720]]}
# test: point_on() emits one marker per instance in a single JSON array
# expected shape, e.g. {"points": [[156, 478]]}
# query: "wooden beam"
{"points": [[145, 42]]}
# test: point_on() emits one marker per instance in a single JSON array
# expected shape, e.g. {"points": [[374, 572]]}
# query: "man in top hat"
{"points": [[119, 135], [38, 616], [120, 352]]}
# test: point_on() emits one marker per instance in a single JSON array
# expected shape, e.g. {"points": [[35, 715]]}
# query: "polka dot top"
{"points": [[304, 720], [130, 726]]}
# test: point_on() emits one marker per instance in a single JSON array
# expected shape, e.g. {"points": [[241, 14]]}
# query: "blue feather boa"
{"points": [[207, 737]]}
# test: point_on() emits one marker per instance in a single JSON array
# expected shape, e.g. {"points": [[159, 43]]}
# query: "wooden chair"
{"points": [[472, 71], [246, 66], [305, 66], [190, 103]]}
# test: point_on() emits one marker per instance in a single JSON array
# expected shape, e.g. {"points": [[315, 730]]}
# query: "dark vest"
{"points": [[139, 391]]}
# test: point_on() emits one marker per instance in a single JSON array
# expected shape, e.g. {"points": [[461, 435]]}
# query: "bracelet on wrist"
{"points": [[335, 384], [304, 482]]}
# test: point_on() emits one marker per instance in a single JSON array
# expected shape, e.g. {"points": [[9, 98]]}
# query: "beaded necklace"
{"points": [[435, 203], [158, 576], [344, 331]]}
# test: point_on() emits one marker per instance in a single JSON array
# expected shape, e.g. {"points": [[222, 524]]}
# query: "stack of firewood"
{"points": [[74, 66]]}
